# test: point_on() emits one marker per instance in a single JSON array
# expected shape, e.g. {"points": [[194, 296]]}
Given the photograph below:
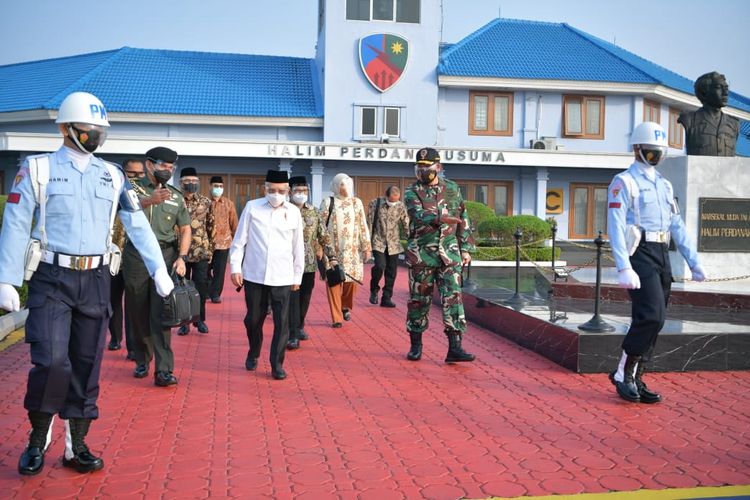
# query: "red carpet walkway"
{"points": [[355, 419]]}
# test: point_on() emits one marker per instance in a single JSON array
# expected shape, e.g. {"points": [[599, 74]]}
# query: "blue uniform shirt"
{"points": [[78, 213], [658, 212]]}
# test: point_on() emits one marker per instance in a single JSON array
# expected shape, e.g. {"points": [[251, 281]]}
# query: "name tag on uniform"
{"points": [[170, 202]]}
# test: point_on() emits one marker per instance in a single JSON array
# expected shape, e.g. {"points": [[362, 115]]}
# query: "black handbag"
{"points": [[182, 306], [335, 275]]}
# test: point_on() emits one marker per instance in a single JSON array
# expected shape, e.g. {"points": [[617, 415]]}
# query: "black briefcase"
{"points": [[335, 275], [182, 306]]}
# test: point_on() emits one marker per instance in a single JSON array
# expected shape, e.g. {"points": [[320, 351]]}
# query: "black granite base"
{"points": [[693, 338]]}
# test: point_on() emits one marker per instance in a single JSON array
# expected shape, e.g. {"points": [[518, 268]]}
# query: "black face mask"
{"points": [[162, 176], [425, 175], [87, 140], [190, 188]]}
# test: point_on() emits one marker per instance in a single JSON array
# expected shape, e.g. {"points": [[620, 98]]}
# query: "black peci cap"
{"points": [[216, 179], [299, 180], [188, 172], [277, 176], [163, 154]]}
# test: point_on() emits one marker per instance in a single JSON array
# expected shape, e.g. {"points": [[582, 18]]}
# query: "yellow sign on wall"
{"points": [[554, 201]]}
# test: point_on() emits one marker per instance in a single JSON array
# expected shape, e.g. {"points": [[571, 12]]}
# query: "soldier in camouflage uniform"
{"points": [[201, 245], [440, 241]]}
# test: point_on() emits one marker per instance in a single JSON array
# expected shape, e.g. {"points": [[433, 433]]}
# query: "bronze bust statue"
{"points": [[708, 131]]}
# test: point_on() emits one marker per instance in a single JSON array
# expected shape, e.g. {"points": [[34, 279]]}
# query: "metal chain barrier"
{"points": [[609, 257]]}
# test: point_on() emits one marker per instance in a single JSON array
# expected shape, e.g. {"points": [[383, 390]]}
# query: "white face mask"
{"points": [[299, 198], [275, 199], [217, 191], [391, 203]]}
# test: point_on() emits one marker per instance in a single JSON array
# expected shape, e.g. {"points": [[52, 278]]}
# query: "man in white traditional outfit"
{"points": [[267, 257], [346, 222]]}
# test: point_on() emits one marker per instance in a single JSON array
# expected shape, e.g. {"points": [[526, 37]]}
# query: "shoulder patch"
{"points": [[616, 187], [14, 198], [22, 172]]}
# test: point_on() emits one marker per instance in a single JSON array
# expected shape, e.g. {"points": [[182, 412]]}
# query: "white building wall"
{"points": [[345, 84]]}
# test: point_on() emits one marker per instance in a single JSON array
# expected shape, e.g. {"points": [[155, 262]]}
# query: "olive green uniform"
{"points": [[143, 304]]}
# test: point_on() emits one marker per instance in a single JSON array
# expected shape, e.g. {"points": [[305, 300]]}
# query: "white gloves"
{"points": [[9, 298], [627, 278], [699, 274], [163, 282]]}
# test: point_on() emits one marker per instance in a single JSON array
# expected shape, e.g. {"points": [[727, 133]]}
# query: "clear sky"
{"points": [[690, 37]]}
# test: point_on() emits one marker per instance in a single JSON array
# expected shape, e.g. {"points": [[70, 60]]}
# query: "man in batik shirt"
{"points": [[317, 242]]}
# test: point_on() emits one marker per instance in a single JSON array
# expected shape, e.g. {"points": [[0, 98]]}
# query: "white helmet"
{"points": [[82, 107], [652, 142], [86, 120]]}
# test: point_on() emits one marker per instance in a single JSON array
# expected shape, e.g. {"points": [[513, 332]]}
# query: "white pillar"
{"points": [[316, 190], [542, 176]]}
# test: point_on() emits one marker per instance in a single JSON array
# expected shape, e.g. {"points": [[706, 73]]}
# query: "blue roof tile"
{"points": [[743, 140], [512, 48], [170, 82]]}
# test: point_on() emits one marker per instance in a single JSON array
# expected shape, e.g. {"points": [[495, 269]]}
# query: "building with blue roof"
{"points": [[519, 109]]}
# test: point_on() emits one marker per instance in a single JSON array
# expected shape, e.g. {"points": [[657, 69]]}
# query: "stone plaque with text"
{"points": [[724, 225]]}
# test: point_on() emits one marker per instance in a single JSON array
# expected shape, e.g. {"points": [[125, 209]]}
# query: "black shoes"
{"points": [[456, 353], [347, 315], [114, 345], [387, 302], [201, 326], [83, 460], [130, 356], [216, 300], [292, 344], [251, 363], [140, 371], [279, 374], [164, 379], [183, 330], [31, 462], [303, 334], [337, 325], [627, 389], [32, 458], [415, 352], [374, 298], [644, 394], [647, 396]]}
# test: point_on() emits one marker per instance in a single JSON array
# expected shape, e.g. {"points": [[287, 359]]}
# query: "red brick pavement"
{"points": [[355, 419]]}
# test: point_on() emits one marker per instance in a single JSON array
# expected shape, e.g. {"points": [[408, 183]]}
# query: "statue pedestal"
{"points": [[724, 222]]}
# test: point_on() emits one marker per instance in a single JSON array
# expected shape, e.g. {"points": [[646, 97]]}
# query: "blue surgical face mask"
{"points": [[216, 192]]}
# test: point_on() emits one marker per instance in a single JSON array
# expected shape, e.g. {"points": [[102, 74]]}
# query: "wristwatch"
{"points": [[183, 257]]}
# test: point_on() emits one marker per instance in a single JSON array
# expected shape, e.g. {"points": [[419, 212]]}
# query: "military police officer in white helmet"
{"points": [[57, 233], [642, 217]]}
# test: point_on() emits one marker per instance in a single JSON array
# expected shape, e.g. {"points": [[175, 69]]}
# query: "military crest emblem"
{"points": [[383, 58]]}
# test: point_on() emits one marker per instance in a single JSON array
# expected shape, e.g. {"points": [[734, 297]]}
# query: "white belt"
{"points": [[75, 262], [657, 236]]}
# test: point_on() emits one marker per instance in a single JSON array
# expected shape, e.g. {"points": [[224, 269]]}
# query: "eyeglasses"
{"points": [[277, 191], [132, 175]]}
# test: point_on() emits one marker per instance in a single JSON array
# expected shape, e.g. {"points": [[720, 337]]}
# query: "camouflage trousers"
{"points": [[421, 284]]}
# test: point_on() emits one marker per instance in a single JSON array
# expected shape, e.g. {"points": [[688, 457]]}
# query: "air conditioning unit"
{"points": [[548, 143]]}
